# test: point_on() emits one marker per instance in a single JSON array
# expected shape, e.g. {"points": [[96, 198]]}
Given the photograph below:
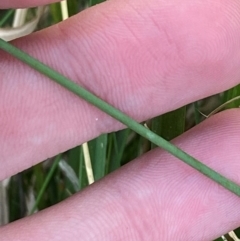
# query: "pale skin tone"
{"points": [[133, 54]]}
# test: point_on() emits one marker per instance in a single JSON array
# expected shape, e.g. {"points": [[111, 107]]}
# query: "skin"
{"points": [[133, 54]]}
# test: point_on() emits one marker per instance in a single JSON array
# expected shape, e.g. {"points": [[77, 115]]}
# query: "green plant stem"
{"points": [[46, 182], [120, 116]]}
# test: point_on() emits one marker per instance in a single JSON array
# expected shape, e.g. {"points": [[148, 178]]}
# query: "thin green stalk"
{"points": [[120, 116], [6, 17], [44, 186]]}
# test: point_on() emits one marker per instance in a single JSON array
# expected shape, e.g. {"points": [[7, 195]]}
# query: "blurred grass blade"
{"points": [[64, 10], [75, 160], [4, 210], [94, 2], [227, 105], [233, 236], [56, 14], [98, 153], [30, 199], [74, 6], [231, 99], [40, 177], [46, 182], [70, 174], [82, 173], [197, 115], [19, 17], [6, 17], [119, 144], [88, 163], [120, 116], [169, 125], [231, 94]]}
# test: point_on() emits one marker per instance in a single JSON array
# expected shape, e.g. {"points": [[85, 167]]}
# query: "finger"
{"points": [[156, 197], [133, 54], [24, 3]]}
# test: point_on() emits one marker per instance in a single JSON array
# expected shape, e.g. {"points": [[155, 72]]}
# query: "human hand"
{"points": [[133, 54]]}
